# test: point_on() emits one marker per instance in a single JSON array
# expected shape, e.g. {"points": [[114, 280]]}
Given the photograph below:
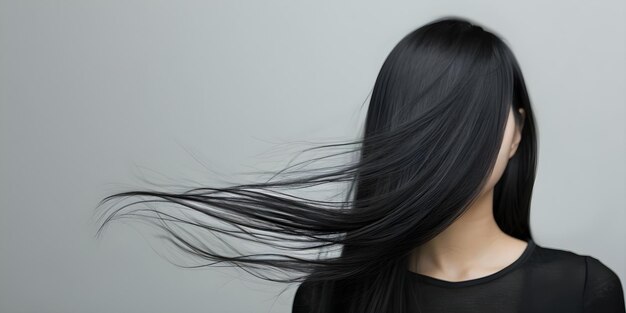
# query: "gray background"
{"points": [[94, 92]]}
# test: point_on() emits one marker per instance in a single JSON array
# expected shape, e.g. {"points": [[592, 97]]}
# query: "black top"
{"points": [[540, 280]]}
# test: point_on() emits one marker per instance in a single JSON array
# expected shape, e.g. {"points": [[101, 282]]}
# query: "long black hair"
{"points": [[431, 137]]}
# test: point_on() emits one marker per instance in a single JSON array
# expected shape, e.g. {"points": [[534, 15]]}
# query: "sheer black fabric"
{"points": [[541, 280]]}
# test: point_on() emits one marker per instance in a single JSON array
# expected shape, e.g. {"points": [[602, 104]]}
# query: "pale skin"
{"points": [[474, 246]]}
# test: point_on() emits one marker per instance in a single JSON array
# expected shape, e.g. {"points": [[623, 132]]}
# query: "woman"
{"points": [[436, 218]]}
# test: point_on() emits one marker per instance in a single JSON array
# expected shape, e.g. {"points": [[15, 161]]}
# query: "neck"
{"points": [[474, 240]]}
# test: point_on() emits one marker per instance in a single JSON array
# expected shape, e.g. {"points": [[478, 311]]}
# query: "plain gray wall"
{"points": [[89, 89]]}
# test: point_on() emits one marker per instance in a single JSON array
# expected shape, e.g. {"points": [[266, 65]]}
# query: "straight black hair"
{"points": [[431, 137]]}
